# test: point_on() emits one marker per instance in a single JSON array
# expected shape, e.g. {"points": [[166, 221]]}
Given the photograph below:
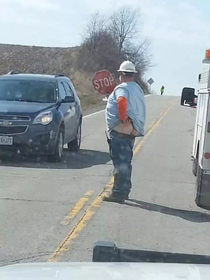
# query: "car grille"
{"points": [[14, 118], [12, 130]]}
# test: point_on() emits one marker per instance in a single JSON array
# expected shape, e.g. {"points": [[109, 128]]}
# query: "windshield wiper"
{"points": [[24, 100], [28, 100]]}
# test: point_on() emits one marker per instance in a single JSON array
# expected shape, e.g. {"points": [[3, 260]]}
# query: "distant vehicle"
{"points": [[188, 97], [38, 115], [201, 143]]}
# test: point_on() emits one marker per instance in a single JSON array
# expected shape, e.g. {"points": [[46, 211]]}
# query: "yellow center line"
{"points": [[75, 210], [63, 246], [151, 124]]}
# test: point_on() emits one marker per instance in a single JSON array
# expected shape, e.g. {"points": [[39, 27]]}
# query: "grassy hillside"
{"points": [[45, 60]]}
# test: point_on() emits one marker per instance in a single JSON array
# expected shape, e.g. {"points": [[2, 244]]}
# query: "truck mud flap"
{"points": [[195, 167], [202, 197]]}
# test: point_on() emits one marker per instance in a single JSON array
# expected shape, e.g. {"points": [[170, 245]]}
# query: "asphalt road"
{"points": [[54, 212]]}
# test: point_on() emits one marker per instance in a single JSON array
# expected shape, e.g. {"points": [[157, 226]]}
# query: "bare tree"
{"points": [[110, 41], [105, 54], [96, 24], [124, 25], [95, 29], [139, 55]]}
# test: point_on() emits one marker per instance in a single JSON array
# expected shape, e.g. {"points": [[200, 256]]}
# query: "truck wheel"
{"points": [[195, 166], [58, 153], [74, 145], [198, 186]]}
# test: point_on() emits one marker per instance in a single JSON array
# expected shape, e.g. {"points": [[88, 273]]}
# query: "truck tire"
{"points": [[202, 198], [195, 166], [198, 186]]}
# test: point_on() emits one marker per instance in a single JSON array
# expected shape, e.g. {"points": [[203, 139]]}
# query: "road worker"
{"points": [[162, 90], [125, 118]]}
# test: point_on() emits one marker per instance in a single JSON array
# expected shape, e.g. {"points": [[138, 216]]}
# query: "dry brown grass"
{"points": [[83, 84]]}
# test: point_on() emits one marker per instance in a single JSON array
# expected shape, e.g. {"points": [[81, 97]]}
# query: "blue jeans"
{"points": [[121, 152]]}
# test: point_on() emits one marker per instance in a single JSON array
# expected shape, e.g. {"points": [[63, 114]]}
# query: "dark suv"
{"points": [[39, 114]]}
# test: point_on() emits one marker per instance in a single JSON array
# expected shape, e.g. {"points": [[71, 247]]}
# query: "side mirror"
{"points": [[68, 99]]}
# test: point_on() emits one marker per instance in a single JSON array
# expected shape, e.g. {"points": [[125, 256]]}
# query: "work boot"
{"points": [[114, 198], [126, 197]]}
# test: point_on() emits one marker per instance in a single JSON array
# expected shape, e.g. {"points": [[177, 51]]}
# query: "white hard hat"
{"points": [[127, 66]]}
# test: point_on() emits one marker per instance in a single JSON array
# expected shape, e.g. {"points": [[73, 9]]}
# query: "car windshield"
{"points": [[27, 90]]}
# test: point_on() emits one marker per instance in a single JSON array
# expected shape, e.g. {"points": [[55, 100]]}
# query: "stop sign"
{"points": [[104, 82]]}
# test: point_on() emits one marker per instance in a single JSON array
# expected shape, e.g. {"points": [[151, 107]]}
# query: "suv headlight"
{"points": [[44, 118]]}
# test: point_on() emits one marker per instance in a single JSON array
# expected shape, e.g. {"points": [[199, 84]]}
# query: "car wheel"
{"points": [[58, 153], [74, 145]]}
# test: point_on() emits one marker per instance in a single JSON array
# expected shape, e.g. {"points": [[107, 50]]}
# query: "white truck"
{"points": [[201, 142]]}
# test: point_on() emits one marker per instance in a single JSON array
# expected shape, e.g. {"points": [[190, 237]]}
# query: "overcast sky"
{"points": [[179, 31]]}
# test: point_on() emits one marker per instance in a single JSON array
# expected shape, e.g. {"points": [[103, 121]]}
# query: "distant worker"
{"points": [[162, 90], [125, 118]]}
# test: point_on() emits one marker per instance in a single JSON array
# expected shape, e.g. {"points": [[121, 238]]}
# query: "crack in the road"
{"points": [[169, 181], [173, 157], [55, 178], [9, 262], [35, 200], [86, 136]]}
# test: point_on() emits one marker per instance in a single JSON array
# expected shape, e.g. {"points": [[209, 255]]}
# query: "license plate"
{"points": [[6, 140]]}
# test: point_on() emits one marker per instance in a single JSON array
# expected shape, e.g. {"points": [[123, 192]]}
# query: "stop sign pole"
{"points": [[104, 82]]}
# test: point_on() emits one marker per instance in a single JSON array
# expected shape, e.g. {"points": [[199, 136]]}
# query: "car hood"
{"points": [[16, 107], [102, 271]]}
